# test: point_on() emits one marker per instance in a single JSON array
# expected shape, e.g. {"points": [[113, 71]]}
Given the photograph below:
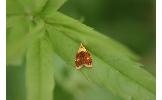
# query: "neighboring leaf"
{"points": [[39, 71], [120, 74], [15, 83], [53, 5], [17, 27], [33, 6], [19, 36], [13, 7]]}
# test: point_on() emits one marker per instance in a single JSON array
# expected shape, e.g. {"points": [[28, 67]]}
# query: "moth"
{"points": [[83, 58]]}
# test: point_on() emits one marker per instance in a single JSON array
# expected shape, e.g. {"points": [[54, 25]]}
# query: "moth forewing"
{"points": [[83, 58]]}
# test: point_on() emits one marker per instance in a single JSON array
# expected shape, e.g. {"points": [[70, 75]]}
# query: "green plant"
{"points": [[48, 40]]}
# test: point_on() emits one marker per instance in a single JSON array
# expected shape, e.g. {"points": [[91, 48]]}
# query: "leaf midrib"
{"points": [[40, 66]]}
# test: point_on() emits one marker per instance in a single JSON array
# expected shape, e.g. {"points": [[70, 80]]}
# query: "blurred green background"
{"points": [[131, 22]]}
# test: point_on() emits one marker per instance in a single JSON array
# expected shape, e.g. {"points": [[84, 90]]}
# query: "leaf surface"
{"points": [[39, 71], [19, 37], [120, 74]]}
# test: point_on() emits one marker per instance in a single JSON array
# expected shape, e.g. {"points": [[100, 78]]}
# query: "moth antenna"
{"points": [[82, 48], [81, 45]]}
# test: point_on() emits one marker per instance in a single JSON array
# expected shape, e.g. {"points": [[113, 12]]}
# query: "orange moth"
{"points": [[83, 58]]}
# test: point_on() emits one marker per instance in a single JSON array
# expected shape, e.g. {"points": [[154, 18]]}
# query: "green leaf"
{"points": [[115, 71], [114, 49], [53, 5], [17, 27], [134, 72], [39, 71], [19, 36], [120, 74], [33, 7], [13, 7], [71, 24], [72, 80], [15, 83], [96, 93]]}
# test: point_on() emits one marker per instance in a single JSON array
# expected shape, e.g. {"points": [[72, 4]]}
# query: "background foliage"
{"points": [[42, 42]]}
